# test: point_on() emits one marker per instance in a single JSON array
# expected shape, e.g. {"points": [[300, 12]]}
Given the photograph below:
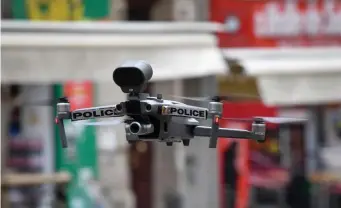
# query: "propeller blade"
{"points": [[48, 102], [275, 120], [38, 103], [239, 119], [279, 120], [218, 98], [21, 99], [43, 102], [191, 98], [102, 123]]}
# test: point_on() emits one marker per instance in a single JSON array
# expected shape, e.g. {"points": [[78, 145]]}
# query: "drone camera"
{"points": [[132, 76], [137, 128]]}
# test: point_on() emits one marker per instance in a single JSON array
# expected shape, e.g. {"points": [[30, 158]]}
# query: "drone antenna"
{"points": [[215, 109]]}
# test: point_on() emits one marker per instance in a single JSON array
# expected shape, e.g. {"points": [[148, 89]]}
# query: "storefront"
{"points": [[51, 53], [289, 54]]}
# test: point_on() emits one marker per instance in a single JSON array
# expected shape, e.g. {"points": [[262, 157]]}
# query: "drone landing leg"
{"points": [[214, 132], [62, 134]]}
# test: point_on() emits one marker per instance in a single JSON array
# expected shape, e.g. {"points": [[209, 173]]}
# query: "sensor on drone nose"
{"points": [[132, 76]]}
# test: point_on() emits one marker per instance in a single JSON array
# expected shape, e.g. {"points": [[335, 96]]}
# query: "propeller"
{"points": [[114, 122], [218, 98], [274, 120], [48, 102]]}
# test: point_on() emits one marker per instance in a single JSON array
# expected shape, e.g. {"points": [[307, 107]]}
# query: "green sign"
{"points": [[61, 10], [80, 158]]}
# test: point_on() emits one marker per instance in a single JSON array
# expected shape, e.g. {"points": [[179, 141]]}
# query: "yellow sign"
{"points": [[273, 146], [58, 10]]}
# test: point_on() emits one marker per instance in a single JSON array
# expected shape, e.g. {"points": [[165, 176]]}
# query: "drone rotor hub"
{"points": [[215, 108], [63, 107]]}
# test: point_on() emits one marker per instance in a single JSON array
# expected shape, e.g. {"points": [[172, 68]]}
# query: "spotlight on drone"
{"points": [[132, 76]]}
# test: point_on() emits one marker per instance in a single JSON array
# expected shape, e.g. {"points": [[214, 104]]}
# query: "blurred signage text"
{"points": [[278, 23]]}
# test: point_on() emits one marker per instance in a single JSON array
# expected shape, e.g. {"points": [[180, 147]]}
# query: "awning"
{"points": [[53, 52], [290, 76]]}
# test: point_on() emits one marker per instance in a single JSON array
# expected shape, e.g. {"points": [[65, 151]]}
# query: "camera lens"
{"points": [[134, 127]]}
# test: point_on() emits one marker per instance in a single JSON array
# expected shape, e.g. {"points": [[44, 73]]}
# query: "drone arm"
{"points": [[206, 131], [95, 112], [63, 112]]}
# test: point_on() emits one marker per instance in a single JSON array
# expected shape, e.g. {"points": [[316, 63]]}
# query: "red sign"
{"points": [[79, 94], [269, 23]]}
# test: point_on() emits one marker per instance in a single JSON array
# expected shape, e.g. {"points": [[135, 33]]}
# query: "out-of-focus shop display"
{"points": [[29, 146], [252, 174], [330, 152], [303, 58], [62, 10], [288, 53], [57, 52]]}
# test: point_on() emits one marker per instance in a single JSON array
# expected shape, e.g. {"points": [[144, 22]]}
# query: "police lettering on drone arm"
{"points": [[94, 113], [188, 112]]}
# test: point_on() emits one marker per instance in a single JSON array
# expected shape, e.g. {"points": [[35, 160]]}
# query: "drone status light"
{"points": [[216, 119]]}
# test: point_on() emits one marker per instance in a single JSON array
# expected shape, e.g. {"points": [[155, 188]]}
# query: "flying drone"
{"points": [[148, 118]]}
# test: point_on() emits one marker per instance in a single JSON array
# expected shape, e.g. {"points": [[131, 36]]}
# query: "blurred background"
{"points": [[288, 53]]}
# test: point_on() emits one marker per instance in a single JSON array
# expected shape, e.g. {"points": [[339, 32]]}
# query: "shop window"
{"points": [[298, 189], [230, 174], [14, 120], [6, 9], [140, 10], [298, 148], [24, 155], [268, 159], [14, 125]]}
